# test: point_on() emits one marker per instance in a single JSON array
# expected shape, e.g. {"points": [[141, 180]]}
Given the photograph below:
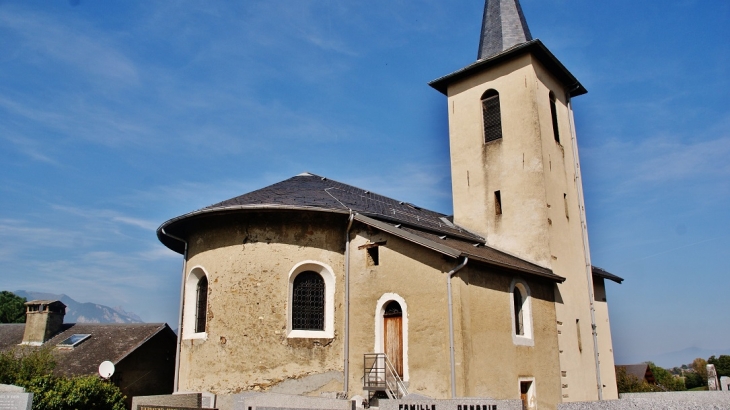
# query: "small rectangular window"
{"points": [[577, 327], [497, 203], [565, 204], [373, 256]]}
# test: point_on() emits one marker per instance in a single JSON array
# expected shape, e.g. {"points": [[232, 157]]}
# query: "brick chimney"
{"points": [[43, 320]]}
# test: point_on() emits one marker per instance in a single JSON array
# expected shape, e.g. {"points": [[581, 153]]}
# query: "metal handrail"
{"points": [[380, 374]]}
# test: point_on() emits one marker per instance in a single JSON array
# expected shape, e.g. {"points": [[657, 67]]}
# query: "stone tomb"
{"points": [[452, 404], [712, 383], [725, 383], [15, 400]]}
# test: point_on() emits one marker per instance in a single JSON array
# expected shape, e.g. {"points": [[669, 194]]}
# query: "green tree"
{"points": [[722, 364], [33, 369], [628, 383], [699, 365], [76, 393], [12, 308], [665, 379]]}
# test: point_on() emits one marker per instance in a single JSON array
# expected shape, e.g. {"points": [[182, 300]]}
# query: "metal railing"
{"points": [[380, 375]]}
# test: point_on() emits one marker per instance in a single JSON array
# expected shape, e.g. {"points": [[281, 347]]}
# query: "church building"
{"points": [[313, 286]]}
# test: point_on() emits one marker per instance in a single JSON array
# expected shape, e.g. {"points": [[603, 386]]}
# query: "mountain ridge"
{"points": [[84, 312]]}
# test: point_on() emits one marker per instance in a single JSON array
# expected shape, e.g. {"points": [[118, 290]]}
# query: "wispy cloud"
{"points": [[78, 45]]}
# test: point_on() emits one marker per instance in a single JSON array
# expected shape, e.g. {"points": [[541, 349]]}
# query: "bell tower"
{"points": [[516, 180]]}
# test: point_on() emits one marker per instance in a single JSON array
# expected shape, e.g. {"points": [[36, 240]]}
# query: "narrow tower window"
{"points": [[491, 115], [202, 304], [554, 114], [519, 322], [497, 203], [577, 332]]}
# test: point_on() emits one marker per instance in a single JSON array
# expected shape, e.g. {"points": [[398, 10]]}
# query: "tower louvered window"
{"points": [[308, 302], [202, 305], [554, 114], [491, 116]]}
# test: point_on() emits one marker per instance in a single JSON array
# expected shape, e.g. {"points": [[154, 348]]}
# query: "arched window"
{"points": [[201, 304], [517, 306], [521, 302], [554, 114], [491, 116], [195, 304], [308, 302], [311, 307]]}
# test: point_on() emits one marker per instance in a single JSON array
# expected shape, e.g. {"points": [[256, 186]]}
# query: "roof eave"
{"points": [[602, 273], [449, 251], [536, 47]]}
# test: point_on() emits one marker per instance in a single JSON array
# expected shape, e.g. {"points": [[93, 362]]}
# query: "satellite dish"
{"points": [[106, 369]]}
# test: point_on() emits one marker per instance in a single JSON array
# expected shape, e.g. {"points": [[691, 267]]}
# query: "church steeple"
{"points": [[503, 26]]}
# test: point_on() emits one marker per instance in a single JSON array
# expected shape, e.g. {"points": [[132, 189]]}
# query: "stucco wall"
{"points": [[536, 177], [248, 259]]}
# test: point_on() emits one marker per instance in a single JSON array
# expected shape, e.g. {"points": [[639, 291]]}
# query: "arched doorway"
{"points": [[393, 335]]}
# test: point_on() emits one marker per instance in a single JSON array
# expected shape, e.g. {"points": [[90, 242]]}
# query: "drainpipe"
{"points": [[586, 248], [451, 325], [180, 316], [347, 302]]}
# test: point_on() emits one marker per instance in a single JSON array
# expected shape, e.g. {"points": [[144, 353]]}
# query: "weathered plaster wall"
{"points": [[248, 258], [605, 344], [488, 363], [496, 361]]}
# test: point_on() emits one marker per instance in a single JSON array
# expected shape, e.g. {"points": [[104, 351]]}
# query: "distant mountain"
{"points": [[77, 312]]}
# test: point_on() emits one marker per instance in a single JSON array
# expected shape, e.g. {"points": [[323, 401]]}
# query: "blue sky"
{"points": [[116, 116]]}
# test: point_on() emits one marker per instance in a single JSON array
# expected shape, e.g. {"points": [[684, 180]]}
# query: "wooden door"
{"points": [[393, 336]]}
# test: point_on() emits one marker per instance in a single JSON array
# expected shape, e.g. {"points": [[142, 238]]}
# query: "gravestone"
{"points": [[15, 400], [725, 383], [712, 383]]}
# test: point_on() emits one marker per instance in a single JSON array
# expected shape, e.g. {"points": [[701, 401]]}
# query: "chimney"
{"points": [[43, 320]]}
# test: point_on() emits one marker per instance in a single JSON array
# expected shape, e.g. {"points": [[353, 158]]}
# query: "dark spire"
{"points": [[503, 26]]}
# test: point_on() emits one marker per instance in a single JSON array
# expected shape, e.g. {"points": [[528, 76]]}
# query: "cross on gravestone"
{"points": [[15, 401], [712, 383]]}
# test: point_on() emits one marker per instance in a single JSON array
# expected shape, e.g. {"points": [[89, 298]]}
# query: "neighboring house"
{"points": [[305, 286], [143, 353], [641, 371]]}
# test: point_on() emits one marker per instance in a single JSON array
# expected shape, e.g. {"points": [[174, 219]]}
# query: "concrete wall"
{"points": [[650, 401], [535, 175]]}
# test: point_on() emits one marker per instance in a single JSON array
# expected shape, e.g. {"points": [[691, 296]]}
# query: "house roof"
{"points": [[111, 342], [503, 26], [601, 273], [315, 193], [641, 371], [535, 47]]}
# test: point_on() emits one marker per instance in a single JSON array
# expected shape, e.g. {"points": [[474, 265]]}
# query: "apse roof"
{"points": [[312, 192]]}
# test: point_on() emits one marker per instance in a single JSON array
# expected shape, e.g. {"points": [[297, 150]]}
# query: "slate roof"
{"points": [[601, 273], [312, 192], [535, 47], [503, 27], [111, 342]]}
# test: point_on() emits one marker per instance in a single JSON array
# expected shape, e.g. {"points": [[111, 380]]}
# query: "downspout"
{"points": [[451, 325], [180, 316], [586, 248], [347, 302]]}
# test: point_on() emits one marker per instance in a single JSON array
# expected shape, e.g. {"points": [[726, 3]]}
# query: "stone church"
{"points": [[311, 285]]}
